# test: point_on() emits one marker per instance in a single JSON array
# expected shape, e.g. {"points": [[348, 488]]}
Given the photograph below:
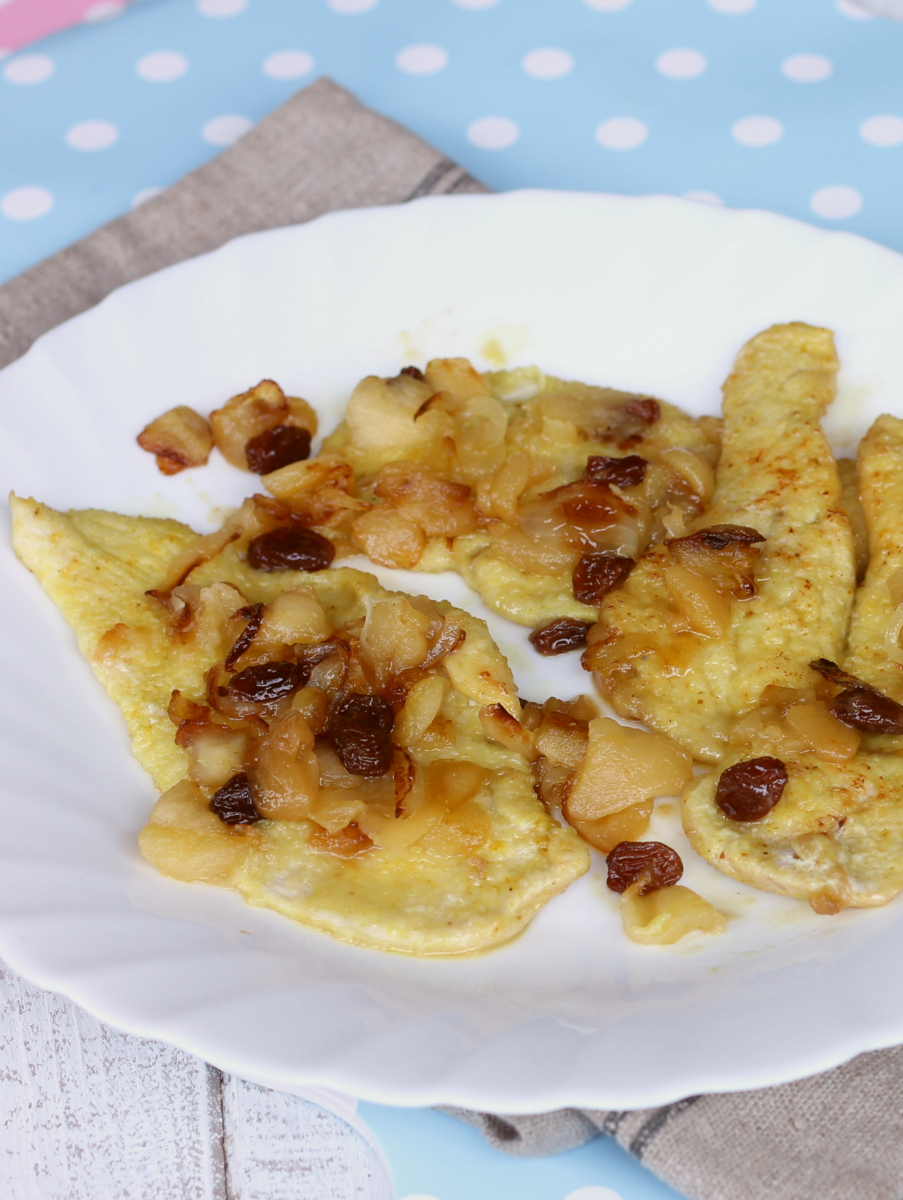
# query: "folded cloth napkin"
{"points": [[320, 151], [838, 1136]]}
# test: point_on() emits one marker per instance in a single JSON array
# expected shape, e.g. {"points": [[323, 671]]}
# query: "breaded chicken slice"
{"points": [[701, 627], [834, 838], [518, 481], [835, 835], [318, 740], [873, 651]]}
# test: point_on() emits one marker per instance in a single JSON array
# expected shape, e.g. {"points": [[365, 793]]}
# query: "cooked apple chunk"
{"points": [[179, 438]]}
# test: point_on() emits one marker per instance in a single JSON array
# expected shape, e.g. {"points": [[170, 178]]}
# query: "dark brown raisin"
{"points": [[290, 549], [277, 447], [868, 710], [719, 537], [748, 791], [360, 729], [234, 802], [267, 682], [414, 372], [830, 671], [558, 637], [598, 574], [622, 472], [647, 411], [254, 615], [630, 861]]}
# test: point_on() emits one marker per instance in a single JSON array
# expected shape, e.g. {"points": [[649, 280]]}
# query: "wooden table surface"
{"points": [[89, 1113]]}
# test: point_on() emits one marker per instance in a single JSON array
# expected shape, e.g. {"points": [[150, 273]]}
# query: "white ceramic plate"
{"points": [[653, 294]]}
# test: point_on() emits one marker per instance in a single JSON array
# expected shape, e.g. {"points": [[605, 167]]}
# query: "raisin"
{"points": [[748, 791], [290, 549], [654, 862], [267, 682], [622, 472], [360, 729], [719, 537], [254, 615], [598, 574], [647, 411], [234, 802], [277, 447], [868, 710], [558, 637], [830, 671], [414, 372]]}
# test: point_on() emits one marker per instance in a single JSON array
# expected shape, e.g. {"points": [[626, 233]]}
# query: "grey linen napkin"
{"points": [[837, 1136], [320, 151]]}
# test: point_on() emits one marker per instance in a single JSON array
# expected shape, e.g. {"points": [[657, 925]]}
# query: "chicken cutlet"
{"points": [[764, 580], [317, 739]]}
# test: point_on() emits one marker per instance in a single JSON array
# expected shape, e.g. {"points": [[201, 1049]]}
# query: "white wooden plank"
{"points": [[87, 1113], [279, 1147]]}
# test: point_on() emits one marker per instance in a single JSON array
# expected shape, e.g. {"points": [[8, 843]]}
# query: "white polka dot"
{"points": [[547, 63], [105, 11], [475, 3], [681, 64], [607, 5], [421, 60], [594, 1192], [26, 203], [144, 195], [29, 68], [288, 64], [807, 68], [704, 197], [352, 6], [163, 66], [853, 10], [493, 133], [621, 133], [92, 135], [733, 7], [221, 8], [757, 131], [224, 130], [836, 202], [884, 130]]}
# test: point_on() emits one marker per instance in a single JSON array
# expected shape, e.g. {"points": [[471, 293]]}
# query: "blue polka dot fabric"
{"points": [[790, 105]]}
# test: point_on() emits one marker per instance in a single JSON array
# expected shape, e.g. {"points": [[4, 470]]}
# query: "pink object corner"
{"points": [[24, 21]]}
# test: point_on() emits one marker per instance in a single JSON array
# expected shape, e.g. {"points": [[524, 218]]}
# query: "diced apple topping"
{"points": [[663, 917], [624, 767], [248, 416], [179, 438]]}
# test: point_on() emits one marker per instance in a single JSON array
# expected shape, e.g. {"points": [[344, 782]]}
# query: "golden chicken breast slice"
{"points": [[835, 837], [436, 895], [879, 596], [495, 464], [776, 476]]}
